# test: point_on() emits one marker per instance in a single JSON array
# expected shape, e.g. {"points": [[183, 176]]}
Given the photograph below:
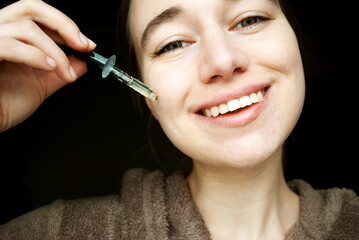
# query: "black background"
{"points": [[86, 135]]}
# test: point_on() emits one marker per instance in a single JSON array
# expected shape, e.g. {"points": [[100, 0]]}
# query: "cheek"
{"points": [[278, 53], [278, 50], [172, 87]]}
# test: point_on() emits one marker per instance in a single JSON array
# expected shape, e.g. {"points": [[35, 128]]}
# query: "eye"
{"points": [[172, 47], [250, 21]]}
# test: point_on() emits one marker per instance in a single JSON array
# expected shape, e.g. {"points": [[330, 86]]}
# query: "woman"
{"points": [[231, 88]]}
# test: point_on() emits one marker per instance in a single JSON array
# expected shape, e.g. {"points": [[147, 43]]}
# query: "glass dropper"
{"points": [[108, 68]]}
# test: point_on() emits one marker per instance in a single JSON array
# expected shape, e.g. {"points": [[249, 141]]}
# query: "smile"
{"points": [[238, 107], [234, 105]]}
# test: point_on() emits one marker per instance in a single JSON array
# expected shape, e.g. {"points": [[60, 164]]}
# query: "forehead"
{"points": [[146, 15], [149, 6], [143, 11]]}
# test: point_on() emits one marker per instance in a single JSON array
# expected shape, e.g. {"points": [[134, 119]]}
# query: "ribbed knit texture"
{"points": [[153, 206]]}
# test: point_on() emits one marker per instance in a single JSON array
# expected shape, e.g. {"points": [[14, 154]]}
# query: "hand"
{"points": [[32, 66]]}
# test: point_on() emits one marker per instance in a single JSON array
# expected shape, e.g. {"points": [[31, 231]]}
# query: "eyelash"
{"points": [[166, 48], [258, 19]]}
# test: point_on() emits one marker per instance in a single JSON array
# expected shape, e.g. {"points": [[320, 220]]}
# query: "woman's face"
{"points": [[210, 61]]}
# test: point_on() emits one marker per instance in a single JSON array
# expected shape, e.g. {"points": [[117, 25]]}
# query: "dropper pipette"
{"points": [[108, 68]]}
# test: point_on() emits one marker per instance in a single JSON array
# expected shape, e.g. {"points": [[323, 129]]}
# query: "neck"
{"points": [[249, 203]]}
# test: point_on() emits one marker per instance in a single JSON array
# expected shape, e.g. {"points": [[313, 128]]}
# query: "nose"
{"points": [[221, 58]]}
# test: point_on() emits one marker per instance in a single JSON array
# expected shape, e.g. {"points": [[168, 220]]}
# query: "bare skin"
{"points": [[32, 66], [200, 55]]}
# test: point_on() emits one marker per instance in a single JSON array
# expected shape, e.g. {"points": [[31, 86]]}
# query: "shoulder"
{"points": [[95, 217], [69, 218], [44, 222], [139, 186], [333, 213], [346, 203], [114, 216]]}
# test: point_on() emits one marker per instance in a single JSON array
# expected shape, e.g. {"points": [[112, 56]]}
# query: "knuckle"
{"points": [[6, 43], [29, 8], [29, 4], [28, 29], [27, 25], [7, 46]]}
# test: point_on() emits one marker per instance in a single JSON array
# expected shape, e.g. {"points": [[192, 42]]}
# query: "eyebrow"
{"points": [[169, 15], [166, 16]]}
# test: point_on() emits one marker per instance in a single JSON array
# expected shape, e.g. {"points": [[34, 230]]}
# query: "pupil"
{"points": [[175, 45], [249, 21]]}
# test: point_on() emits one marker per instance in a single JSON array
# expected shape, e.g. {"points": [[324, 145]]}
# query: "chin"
{"points": [[240, 154]]}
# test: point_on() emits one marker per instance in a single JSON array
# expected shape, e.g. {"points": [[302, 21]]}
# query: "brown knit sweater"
{"points": [[153, 206]]}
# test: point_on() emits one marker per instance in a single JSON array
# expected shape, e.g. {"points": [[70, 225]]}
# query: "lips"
{"points": [[235, 108], [234, 105]]}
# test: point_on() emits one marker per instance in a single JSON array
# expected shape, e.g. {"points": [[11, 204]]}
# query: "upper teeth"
{"points": [[234, 105]]}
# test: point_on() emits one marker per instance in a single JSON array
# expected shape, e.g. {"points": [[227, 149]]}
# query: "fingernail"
{"points": [[83, 39], [51, 62], [92, 44], [73, 73]]}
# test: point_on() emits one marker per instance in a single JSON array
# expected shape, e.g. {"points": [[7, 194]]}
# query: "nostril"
{"points": [[238, 70], [225, 77], [214, 78]]}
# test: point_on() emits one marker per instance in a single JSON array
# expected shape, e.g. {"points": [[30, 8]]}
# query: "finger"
{"points": [[48, 17], [30, 33], [79, 66], [16, 51], [58, 39], [53, 82], [53, 35]]}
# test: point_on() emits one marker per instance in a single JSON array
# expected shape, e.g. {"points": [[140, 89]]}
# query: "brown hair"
{"points": [[167, 156]]}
